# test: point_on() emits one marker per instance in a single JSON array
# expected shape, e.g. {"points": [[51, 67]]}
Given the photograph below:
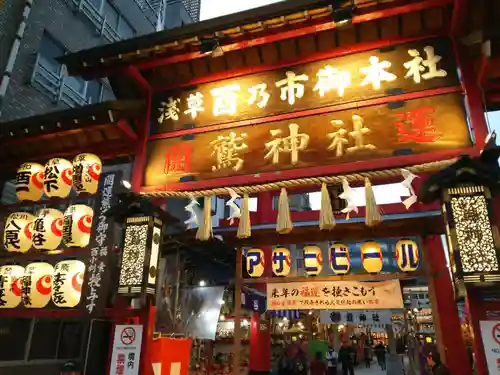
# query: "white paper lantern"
{"points": [[87, 169], [10, 286], [18, 232], [29, 182], [313, 260], [67, 283], [282, 262], [255, 262], [58, 178], [77, 225], [371, 257], [47, 229], [37, 285]]}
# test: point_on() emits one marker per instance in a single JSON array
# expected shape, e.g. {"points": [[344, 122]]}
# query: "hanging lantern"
{"points": [[58, 178], [371, 257], [87, 169], [407, 255], [29, 182], [340, 262], [255, 262], [36, 287], [18, 232], [77, 225], [313, 261], [10, 286], [67, 283], [281, 261], [48, 229]]}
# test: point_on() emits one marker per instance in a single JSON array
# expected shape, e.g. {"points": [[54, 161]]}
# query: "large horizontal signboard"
{"points": [[403, 68], [421, 125]]}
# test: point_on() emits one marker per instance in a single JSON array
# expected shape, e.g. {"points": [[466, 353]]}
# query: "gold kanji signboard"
{"points": [[420, 125], [403, 68]]}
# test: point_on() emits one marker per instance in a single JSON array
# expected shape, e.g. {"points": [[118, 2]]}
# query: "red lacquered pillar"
{"points": [[477, 313], [451, 335]]}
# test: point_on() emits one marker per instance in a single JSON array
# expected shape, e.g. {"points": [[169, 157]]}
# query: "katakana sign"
{"points": [[335, 295]]}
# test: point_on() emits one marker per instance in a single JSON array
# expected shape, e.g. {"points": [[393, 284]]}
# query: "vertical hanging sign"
{"points": [[96, 282]]}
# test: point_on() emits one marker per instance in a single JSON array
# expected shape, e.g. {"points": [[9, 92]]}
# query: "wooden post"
{"points": [[237, 313]]}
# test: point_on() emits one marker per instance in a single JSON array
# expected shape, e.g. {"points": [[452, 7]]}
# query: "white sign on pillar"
{"points": [[490, 332], [125, 359]]}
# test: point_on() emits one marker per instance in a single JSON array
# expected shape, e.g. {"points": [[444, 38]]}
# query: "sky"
{"points": [[217, 8]]}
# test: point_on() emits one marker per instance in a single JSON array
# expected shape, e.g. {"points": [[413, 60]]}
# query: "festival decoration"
{"points": [[48, 229], [36, 286], [407, 183], [284, 223], [193, 218], [326, 217], [29, 182], [10, 286], [67, 283], [87, 169], [255, 262], [244, 227], [340, 261], [204, 231], [17, 234], [58, 178], [372, 213], [348, 196], [234, 210], [371, 257], [77, 225], [282, 262], [313, 261], [407, 255]]}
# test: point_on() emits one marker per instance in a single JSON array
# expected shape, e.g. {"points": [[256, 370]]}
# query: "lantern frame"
{"points": [[140, 256]]}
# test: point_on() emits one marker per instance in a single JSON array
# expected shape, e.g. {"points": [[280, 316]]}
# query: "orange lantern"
{"points": [[29, 182], [17, 234], [313, 260], [339, 259], [37, 285], [10, 286], [87, 169], [58, 178], [47, 229], [371, 257], [281, 261], [67, 283], [255, 262], [407, 255], [77, 225]]}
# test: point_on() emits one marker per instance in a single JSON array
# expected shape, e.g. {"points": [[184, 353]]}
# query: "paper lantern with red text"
{"points": [[407, 255], [36, 287], [67, 283], [48, 229], [313, 260], [340, 261], [11, 277], [282, 262], [18, 232], [29, 182], [87, 169], [58, 178], [77, 225], [371, 257], [255, 262]]}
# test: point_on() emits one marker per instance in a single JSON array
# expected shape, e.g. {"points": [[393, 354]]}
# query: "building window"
{"points": [[49, 50], [14, 335]]}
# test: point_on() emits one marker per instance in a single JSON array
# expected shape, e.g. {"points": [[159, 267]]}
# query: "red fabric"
{"points": [[168, 351]]}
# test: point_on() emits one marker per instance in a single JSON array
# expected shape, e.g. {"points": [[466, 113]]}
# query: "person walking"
{"points": [[346, 358], [299, 364], [318, 367], [332, 359], [368, 355], [438, 367], [380, 353]]}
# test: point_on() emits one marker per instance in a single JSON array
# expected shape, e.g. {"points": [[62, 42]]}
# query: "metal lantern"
{"points": [[48, 229], [281, 261], [29, 182], [340, 262], [140, 256], [77, 225], [407, 255], [58, 178], [36, 286], [18, 232], [371, 257], [67, 283], [10, 286], [313, 261], [255, 262], [87, 169]]}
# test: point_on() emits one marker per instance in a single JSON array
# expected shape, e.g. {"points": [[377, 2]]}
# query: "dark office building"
{"points": [[193, 9]]}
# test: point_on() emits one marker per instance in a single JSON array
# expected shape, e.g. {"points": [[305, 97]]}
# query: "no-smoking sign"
{"points": [[127, 336], [496, 333]]}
